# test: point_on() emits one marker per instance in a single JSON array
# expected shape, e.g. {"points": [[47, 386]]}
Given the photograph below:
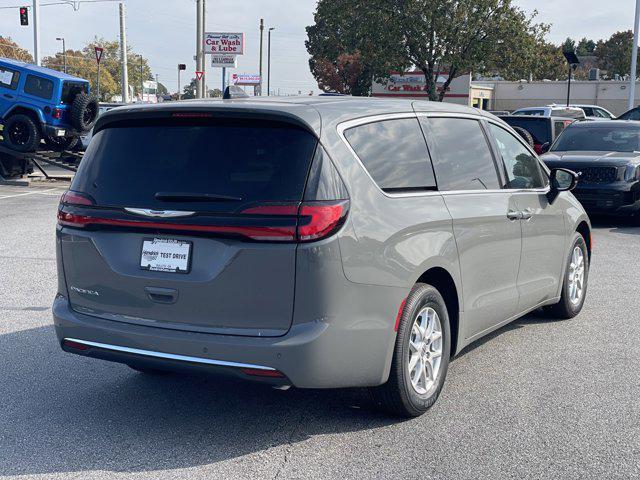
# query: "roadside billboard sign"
{"points": [[224, 43], [225, 61], [245, 79]]}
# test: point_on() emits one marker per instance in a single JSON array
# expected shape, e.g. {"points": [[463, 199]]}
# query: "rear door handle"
{"points": [[7, 95], [513, 215], [526, 214]]}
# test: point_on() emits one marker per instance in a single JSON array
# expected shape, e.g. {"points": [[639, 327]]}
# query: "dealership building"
{"points": [[503, 95]]}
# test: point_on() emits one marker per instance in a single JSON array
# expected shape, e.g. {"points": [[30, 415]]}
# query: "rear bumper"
{"points": [[311, 355]]}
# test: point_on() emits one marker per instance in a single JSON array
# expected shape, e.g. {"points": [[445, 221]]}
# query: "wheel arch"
{"points": [[584, 230], [30, 112], [443, 281]]}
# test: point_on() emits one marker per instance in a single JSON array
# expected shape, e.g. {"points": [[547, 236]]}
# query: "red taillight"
{"points": [[75, 345], [191, 115], [56, 113], [537, 147], [258, 372], [323, 219], [74, 198], [399, 315]]}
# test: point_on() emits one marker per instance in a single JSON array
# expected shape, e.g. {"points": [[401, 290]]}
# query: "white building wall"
{"points": [[608, 94]]}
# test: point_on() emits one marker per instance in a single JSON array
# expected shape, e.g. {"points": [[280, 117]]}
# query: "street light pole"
{"points": [[123, 55], [199, 47], [64, 53], [269, 63], [634, 58], [141, 81]]}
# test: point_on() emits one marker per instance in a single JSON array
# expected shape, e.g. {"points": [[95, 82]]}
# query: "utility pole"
{"points": [[64, 53], [634, 58], [200, 47], [269, 63], [36, 31], [261, 35], [123, 55]]}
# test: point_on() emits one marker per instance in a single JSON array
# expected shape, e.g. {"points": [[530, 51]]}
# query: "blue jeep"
{"points": [[38, 103]]}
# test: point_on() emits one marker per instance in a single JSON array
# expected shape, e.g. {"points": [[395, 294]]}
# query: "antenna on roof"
{"points": [[232, 92]]}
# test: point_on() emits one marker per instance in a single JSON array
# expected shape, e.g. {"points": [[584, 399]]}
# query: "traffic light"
{"points": [[24, 16]]}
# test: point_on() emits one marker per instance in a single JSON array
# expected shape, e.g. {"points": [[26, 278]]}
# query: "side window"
{"points": [[589, 112], [394, 153], [523, 169], [38, 87], [559, 127], [463, 160], [9, 78], [598, 112]]}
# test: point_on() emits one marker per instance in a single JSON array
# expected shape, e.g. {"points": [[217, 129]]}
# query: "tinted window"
{"points": [[39, 87], [588, 111], [522, 167], [463, 160], [249, 160], [539, 128], [9, 78], [604, 138], [71, 89], [537, 113], [394, 153], [559, 126]]}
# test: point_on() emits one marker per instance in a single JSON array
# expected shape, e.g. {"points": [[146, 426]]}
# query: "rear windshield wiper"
{"points": [[194, 197]]}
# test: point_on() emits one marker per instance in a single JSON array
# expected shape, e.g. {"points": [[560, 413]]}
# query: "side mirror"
{"points": [[562, 180], [544, 148]]}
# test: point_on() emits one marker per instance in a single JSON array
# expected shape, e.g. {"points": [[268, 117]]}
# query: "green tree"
{"points": [[614, 54], [189, 90], [344, 44], [10, 49], [586, 47]]}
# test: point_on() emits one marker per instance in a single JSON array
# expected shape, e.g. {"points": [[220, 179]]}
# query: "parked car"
{"points": [[633, 114], [39, 103], [552, 111], [594, 112], [542, 130], [607, 157], [316, 242]]}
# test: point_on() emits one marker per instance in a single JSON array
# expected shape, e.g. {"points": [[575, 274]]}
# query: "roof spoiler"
{"points": [[233, 92]]}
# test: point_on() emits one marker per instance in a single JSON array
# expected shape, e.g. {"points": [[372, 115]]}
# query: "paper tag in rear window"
{"points": [[165, 255]]}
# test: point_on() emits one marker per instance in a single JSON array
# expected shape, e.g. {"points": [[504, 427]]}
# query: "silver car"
{"points": [[312, 242]]}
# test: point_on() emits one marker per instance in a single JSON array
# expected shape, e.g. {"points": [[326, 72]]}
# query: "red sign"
{"points": [[99, 51], [199, 75]]}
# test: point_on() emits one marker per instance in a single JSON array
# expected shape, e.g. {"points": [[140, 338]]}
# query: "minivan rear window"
{"points": [[240, 161]]}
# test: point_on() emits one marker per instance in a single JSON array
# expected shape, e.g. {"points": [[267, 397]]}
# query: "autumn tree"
{"points": [[342, 76], [10, 49]]}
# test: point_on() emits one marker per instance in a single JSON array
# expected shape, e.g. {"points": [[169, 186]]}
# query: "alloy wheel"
{"points": [[425, 350]]}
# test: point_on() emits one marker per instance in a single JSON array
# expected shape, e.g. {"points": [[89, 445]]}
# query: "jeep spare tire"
{"points": [[525, 135], [84, 112], [20, 133]]}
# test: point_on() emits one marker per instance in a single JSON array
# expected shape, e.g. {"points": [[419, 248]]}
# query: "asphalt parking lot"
{"points": [[537, 399]]}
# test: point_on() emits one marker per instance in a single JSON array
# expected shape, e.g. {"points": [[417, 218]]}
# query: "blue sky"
{"points": [[163, 30]]}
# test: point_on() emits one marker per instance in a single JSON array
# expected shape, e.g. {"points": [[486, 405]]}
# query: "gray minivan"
{"points": [[311, 242]]}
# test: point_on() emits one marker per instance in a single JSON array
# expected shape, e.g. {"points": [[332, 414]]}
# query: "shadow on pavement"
{"points": [[64, 413], [625, 225]]}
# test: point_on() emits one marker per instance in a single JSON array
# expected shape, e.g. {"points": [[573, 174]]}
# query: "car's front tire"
{"points": [[421, 356], [575, 281]]}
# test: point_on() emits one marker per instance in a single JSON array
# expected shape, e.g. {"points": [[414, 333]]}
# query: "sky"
{"points": [[164, 31]]}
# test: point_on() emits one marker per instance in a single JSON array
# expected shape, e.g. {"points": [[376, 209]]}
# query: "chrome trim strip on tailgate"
{"points": [[168, 356], [145, 212]]}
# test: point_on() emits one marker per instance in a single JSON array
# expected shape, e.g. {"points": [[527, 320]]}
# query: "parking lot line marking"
{"points": [[28, 193]]}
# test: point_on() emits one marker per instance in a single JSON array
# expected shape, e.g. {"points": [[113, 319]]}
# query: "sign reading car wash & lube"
{"points": [[224, 43]]}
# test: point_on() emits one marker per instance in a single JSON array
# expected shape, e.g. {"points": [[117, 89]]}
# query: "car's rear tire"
{"points": [[574, 283], [21, 133], [61, 143], [423, 344], [84, 112]]}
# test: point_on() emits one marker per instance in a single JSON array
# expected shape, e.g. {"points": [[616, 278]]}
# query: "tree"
{"points": [[189, 90], [586, 47], [10, 49], [339, 37], [342, 76], [614, 54]]}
